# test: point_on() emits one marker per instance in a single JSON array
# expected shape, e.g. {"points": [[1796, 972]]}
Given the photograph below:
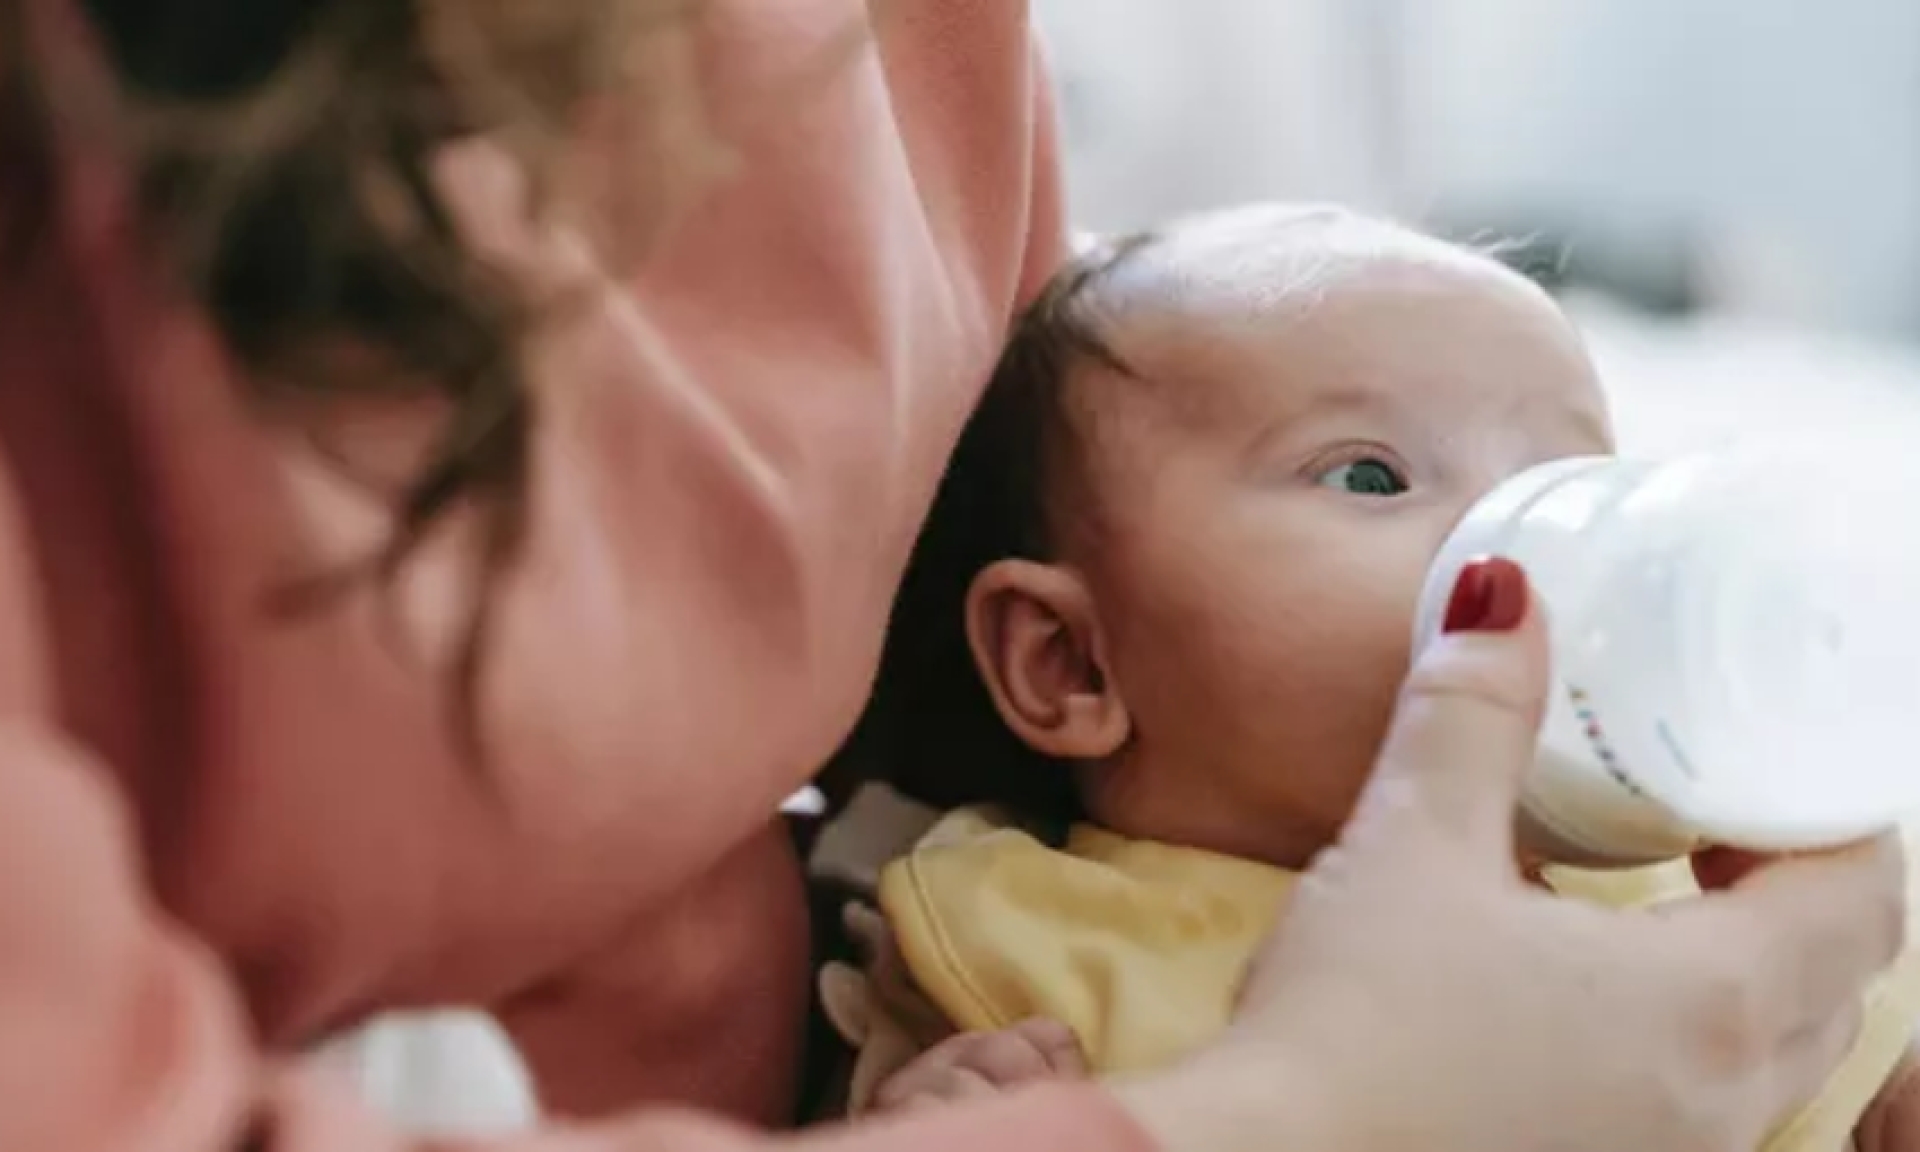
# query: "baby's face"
{"points": [[1270, 507]]}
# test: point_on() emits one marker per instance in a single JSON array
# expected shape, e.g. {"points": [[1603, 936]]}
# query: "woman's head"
{"points": [[282, 156], [1183, 539]]}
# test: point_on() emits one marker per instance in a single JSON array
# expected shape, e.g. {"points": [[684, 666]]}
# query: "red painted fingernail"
{"points": [[1489, 596]]}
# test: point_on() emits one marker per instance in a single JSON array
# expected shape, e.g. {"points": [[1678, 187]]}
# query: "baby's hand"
{"points": [[976, 1064]]}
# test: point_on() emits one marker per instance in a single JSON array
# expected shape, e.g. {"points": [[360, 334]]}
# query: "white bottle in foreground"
{"points": [[1736, 649]]}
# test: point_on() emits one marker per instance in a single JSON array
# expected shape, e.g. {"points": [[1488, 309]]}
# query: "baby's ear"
{"points": [[1037, 640]]}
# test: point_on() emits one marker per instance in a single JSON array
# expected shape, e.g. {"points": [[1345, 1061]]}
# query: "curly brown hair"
{"points": [[282, 152]]}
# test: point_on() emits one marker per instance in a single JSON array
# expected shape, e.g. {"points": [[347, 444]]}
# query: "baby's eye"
{"points": [[1369, 476]]}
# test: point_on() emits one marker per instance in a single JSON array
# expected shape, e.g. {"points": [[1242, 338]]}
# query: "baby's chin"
{"points": [[1293, 848]]}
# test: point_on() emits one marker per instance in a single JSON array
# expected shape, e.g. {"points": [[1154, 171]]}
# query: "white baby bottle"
{"points": [[1736, 648]]}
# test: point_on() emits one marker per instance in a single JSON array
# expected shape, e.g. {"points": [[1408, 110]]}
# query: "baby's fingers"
{"points": [[1030, 1050], [976, 1064], [947, 1086]]}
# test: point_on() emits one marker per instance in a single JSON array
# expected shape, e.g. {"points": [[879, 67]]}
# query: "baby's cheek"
{"points": [[1318, 689], [1298, 649]]}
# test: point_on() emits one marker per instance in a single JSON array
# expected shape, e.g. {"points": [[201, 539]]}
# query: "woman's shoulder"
{"points": [[748, 428]]}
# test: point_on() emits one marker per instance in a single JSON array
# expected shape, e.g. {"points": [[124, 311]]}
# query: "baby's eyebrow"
{"points": [[1343, 398], [1320, 405]]}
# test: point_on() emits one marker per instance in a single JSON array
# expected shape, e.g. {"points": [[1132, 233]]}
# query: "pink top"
{"points": [[208, 816]]}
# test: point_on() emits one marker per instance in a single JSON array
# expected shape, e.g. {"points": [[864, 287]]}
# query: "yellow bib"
{"points": [[1140, 947]]}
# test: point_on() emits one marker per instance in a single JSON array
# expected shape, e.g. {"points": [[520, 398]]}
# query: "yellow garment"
{"points": [[1140, 947]]}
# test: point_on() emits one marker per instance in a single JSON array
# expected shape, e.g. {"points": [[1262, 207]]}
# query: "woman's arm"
{"points": [[123, 1036]]}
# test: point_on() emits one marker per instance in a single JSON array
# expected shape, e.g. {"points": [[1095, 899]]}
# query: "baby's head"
{"points": [[1169, 582]]}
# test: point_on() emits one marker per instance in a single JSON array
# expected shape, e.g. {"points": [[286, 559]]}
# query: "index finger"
{"points": [[1464, 733]]}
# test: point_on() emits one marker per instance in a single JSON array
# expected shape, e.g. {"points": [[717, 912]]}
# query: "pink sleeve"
{"points": [[121, 1035], [1047, 219]]}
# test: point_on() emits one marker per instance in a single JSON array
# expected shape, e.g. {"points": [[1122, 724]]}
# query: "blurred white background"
{"points": [[1726, 192], [1764, 152], [1729, 191]]}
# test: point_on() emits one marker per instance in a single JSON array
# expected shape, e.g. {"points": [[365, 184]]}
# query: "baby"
{"points": [[1150, 640]]}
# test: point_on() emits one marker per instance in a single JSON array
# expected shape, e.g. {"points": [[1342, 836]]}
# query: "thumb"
{"points": [[1464, 733]]}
